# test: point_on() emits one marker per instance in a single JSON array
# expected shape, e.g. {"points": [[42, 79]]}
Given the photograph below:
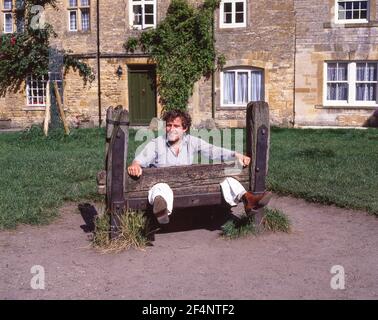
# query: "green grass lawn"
{"points": [[38, 175]]}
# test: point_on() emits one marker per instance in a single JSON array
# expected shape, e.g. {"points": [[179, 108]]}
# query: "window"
{"points": [[36, 91], [7, 16], [351, 83], [12, 15], [233, 13], [79, 15], [8, 23], [240, 86], [142, 14], [7, 5], [352, 11]]}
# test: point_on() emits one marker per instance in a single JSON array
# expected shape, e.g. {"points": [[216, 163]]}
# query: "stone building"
{"points": [[335, 62], [279, 51]]}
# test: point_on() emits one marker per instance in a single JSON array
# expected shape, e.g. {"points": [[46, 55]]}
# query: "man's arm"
{"points": [[143, 159], [217, 153]]}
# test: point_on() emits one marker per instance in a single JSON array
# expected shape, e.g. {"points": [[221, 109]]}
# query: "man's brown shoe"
{"points": [[160, 210], [254, 202]]}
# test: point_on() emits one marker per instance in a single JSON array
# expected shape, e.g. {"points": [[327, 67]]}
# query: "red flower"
{"points": [[13, 41]]}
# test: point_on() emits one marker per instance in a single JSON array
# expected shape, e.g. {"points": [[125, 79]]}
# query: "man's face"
{"points": [[175, 130]]}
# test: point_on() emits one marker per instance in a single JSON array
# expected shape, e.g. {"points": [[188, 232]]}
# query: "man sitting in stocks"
{"points": [[177, 148]]}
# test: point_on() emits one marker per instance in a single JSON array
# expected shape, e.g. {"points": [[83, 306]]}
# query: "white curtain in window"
{"points": [[342, 72], [242, 87], [366, 91], [337, 72], [257, 85], [229, 88], [331, 72]]}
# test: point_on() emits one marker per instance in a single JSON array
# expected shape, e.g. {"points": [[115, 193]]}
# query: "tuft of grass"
{"points": [[274, 220], [133, 232]]}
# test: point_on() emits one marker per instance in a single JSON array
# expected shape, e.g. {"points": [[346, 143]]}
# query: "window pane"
{"points": [[7, 4], [227, 18], [137, 15], [364, 5], [239, 6], [364, 14], [84, 3], [331, 91], [239, 18], [342, 6], [342, 72], [242, 87], [366, 92], [149, 14], [8, 28], [149, 19], [229, 88], [342, 91], [73, 23], [73, 3], [228, 7], [149, 8], [331, 72], [257, 86], [366, 72], [85, 25]]}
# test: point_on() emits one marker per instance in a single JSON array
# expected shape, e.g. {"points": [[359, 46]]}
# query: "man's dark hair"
{"points": [[173, 114]]}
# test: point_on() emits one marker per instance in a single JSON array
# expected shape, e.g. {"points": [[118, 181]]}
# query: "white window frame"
{"points": [[345, 21], [352, 83], [78, 10], [142, 3], [233, 24], [240, 70], [5, 21], [44, 83]]}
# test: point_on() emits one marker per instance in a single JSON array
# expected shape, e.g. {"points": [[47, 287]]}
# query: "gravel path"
{"points": [[191, 260]]}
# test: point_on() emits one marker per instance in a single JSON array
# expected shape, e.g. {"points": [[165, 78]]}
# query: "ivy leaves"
{"points": [[183, 48]]}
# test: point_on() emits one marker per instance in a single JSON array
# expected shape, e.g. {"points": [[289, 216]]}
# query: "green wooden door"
{"points": [[142, 94]]}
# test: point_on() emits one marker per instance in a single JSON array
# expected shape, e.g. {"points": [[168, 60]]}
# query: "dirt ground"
{"points": [[190, 260]]}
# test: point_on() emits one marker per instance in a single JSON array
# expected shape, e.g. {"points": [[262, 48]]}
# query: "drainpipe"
{"points": [[213, 73], [98, 64], [295, 61]]}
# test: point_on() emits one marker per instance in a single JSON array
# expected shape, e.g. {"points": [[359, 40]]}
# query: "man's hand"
{"points": [[135, 170], [243, 160]]}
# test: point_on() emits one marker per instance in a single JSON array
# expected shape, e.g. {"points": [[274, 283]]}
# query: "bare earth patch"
{"points": [[198, 263]]}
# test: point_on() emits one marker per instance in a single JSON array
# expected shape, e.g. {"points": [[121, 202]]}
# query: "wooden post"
{"points": [[258, 140], [116, 166], [48, 110], [60, 107]]}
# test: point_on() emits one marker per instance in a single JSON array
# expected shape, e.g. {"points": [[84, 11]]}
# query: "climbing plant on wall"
{"points": [[27, 52], [182, 46]]}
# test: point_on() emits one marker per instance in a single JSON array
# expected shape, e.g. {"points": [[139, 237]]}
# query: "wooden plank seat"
{"points": [[192, 186]]}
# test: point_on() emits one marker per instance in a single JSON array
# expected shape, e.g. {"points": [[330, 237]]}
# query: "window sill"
{"points": [[36, 108], [75, 32], [345, 107], [234, 26], [231, 108], [369, 24]]}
